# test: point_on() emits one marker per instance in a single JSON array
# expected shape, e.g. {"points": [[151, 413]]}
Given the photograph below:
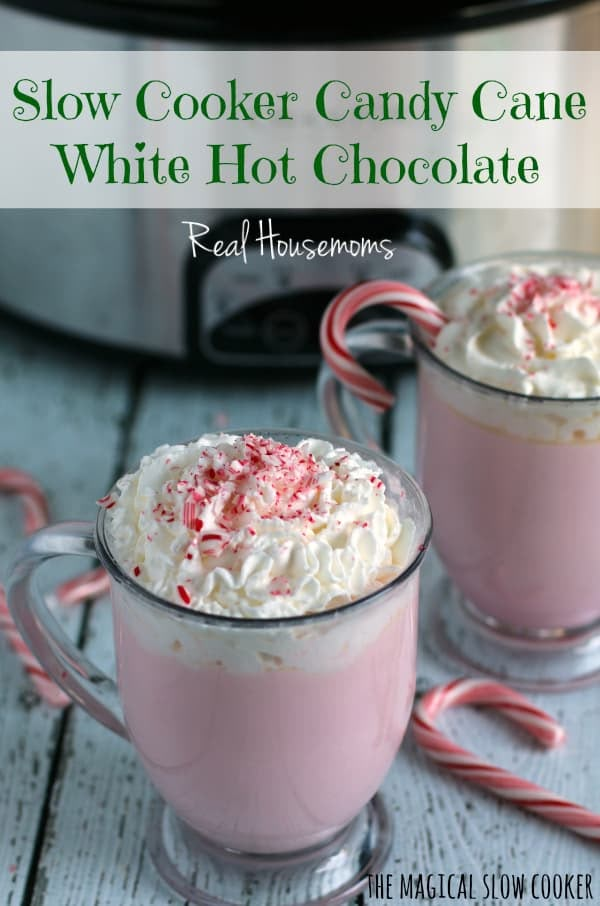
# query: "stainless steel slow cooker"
{"points": [[127, 279]]}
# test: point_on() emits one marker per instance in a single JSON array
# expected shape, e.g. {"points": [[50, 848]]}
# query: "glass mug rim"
{"points": [[117, 573], [444, 282]]}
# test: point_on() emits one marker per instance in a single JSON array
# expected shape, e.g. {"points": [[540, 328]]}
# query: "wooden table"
{"points": [[73, 800]]}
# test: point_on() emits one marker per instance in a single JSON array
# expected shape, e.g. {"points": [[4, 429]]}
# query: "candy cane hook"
{"points": [[90, 585], [399, 296], [517, 708]]}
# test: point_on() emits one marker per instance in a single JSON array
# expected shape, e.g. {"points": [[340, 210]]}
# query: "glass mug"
{"points": [[514, 486], [266, 739]]}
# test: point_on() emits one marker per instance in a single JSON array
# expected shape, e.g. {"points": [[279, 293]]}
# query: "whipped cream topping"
{"points": [[536, 333], [250, 527]]}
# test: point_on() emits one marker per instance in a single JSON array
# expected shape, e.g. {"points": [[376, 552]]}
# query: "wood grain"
{"points": [[60, 421], [93, 851]]}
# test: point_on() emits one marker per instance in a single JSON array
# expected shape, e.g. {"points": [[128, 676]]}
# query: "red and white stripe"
{"points": [[33, 499], [45, 687], [90, 585], [86, 587], [190, 514], [411, 302], [517, 708]]}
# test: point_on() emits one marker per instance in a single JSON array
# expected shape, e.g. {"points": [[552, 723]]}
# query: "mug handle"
{"points": [[85, 683], [391, 341]]}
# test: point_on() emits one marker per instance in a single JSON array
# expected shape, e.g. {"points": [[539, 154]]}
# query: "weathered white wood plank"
{"points": [[94, 851], [59, 419], [444, 825], [175, 409]]}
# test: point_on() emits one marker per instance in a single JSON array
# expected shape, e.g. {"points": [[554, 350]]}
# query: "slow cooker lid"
{"points": [[213, 20]]}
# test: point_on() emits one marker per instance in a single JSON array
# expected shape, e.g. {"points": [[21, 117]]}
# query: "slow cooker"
{"points": [[127, 278]]}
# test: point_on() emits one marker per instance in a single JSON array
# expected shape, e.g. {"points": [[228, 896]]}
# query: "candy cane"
{"points": [[13, 481], [86, 587], [348, 303], [46, 688], [504, 784], [90, 585]]}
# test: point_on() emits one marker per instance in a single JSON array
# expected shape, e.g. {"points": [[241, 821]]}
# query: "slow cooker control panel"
{"points": [[261, 304]]}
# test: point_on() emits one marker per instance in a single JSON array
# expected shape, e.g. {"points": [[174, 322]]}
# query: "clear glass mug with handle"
{"points": [[514, 486], [266, 739]]}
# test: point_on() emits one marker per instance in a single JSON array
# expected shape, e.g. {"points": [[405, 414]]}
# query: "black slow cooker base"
{"points": [[199, 20]]}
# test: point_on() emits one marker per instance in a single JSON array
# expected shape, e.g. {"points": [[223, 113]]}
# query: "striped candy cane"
{"points": [[517, 708], [411, 302], [90, 585], [86, 587], [31, 496], [44, 686]]}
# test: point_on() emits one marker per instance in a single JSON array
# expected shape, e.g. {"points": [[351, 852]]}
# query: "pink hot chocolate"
{"points": [[514, 479], [266, 734], [516, 520], [274, 759]]}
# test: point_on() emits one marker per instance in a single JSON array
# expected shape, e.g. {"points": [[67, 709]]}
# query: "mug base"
{"points": [[536, 661], [325, 875]]}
